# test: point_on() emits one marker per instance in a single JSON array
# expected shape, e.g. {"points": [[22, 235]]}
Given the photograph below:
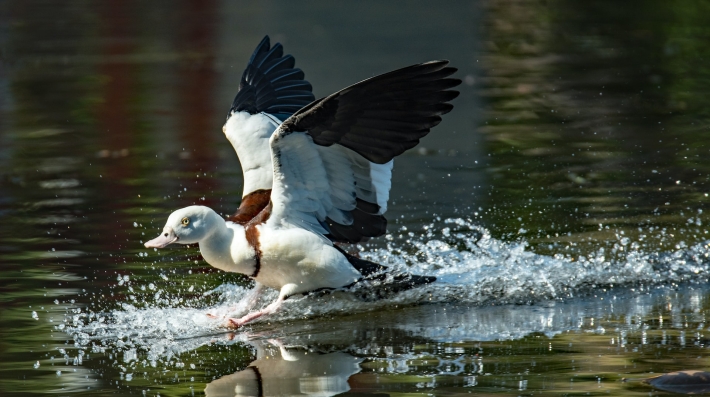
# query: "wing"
{"points": [[333, 159], [372, 184], [271, 84], [381, 117], [271, 89]]}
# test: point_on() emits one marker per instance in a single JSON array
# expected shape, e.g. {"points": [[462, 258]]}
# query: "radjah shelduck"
{"points": [[321, 176]]}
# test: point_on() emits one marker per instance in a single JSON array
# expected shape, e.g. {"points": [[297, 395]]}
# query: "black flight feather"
{"points": [[272, 84], [383, 116]]}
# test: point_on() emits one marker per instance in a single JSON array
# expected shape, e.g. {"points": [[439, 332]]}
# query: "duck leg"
{"points": [[286, 291], [274, 306], [246, 304]]}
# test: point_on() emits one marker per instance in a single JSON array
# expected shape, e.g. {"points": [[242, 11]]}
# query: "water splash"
{"points": [[471, 267]]}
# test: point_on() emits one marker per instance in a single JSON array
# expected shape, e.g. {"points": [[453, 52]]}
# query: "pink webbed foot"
{"points": [[234, 323], [238, 322]]}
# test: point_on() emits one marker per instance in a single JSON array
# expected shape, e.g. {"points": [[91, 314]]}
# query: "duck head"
{"points": [[187, 225]]}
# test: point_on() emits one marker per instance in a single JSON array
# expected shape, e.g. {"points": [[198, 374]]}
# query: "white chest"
{"points": [[228, 250], [301, 259]]}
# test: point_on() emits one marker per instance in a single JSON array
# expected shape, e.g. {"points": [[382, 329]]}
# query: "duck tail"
{"points": [[383, 283]]}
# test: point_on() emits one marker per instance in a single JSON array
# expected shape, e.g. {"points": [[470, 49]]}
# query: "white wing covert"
{"points": [[270, 90], [333, 159], [300, 195]]}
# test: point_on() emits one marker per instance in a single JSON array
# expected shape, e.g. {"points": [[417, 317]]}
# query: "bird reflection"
{"points": [[279, 370]]}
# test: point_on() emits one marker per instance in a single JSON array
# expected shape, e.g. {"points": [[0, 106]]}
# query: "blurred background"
{"points": [[579, 125], [588, 113]]}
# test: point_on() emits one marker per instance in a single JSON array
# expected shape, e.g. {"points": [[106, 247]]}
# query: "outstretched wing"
{"points": [[383, 116], [271, 84], [316, 152], [271, 89]]}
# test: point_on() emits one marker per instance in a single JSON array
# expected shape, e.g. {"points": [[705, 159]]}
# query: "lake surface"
{"points": [[562, 205]]}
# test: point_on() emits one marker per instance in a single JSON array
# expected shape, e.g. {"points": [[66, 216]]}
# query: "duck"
{"points": [[329, 183]]}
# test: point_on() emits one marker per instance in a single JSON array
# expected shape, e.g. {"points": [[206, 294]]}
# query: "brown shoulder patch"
{"points": [[251, 206], [252, 235]]}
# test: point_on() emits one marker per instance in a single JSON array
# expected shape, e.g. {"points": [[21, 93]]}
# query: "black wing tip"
{"points": [[434, 66], [268, 65], [365, 225], [451, 95], [446, 108], [451, 83], [421, 90], [365, 267], [442, 62], [263, 46]]}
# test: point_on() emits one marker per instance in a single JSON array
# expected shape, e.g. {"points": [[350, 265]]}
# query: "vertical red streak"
{"points": [[195, 94], [200, 127], [116, 115]]}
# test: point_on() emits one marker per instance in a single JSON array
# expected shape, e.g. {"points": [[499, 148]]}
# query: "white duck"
{"points": [[321, 158]]}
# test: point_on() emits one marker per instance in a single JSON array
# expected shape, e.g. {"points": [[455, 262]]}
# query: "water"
{"points": [[562, 204]]}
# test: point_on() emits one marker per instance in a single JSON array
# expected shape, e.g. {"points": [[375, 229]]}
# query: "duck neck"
{"points": [[226, 248], [216, 247]]}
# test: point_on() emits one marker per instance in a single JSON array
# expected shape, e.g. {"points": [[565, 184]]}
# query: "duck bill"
{"points": [[166, 238]]}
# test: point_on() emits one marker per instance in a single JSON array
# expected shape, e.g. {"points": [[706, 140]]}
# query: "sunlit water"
{"points": [[562, 205]]}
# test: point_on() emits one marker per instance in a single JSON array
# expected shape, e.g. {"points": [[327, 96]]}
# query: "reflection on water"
{"points": [[288, 371], [570, 179], [580, 345]]}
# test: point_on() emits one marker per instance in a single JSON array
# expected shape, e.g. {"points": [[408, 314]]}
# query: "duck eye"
{"points": [[185, 221]]}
